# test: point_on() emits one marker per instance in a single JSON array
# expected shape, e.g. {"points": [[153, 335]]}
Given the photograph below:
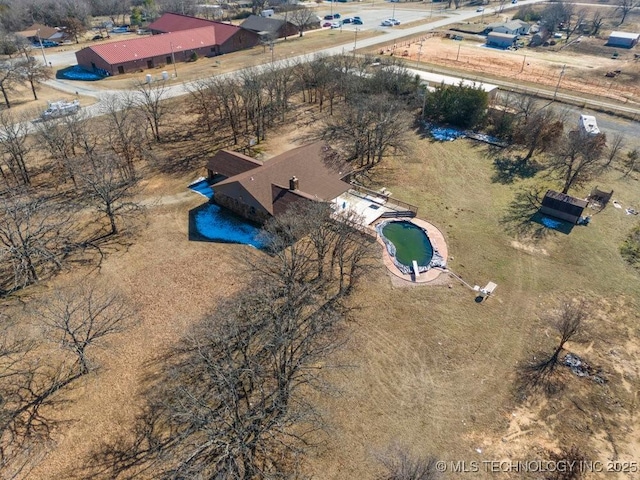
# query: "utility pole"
{"points": [[419, 53], [42, 48], [355, 42], [559, 80], [523, 61], [173, 60], [458, 55]]}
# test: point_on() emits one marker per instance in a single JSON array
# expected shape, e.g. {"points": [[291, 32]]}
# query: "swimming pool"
{"points": [[406, 242]]}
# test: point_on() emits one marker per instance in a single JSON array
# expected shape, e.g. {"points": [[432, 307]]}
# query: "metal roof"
{"points": [[158, 45], [174, 22], [629, 35]]}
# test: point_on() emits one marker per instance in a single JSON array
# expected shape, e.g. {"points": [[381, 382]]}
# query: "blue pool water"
{"points": [[78, 73], [214, 223], [203, 188]]}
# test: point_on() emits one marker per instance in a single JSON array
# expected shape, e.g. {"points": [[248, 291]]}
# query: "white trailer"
{"points": [[61, 108], [588, 125]]}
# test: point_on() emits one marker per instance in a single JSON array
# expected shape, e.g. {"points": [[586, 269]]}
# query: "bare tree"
{"points": [[625, 7], [614, 147], [631, 160], [227, 402], [33, 72], [538, 130], [597, 21], [34, 235], [9, 78], [109, 188], [150, 100], [125, 134], [574, 22], [57, 142], [15, 145], [569, 323], [400, 464], [577, 158], [368, 129], [302, 18], [80, 319]]}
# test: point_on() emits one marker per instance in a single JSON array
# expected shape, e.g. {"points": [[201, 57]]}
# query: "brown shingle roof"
{"points": [[318, 171], [32, 31], [230, 164]]}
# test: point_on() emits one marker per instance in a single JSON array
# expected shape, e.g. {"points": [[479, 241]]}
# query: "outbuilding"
{"points": [[563, 206], [501, 40], [623, 39]]}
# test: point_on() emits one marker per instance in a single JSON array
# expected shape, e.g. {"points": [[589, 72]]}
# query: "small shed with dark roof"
{"points": [[563, 206]]}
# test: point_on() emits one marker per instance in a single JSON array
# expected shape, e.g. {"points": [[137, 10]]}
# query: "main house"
{"points": [[177, 38], [258, 190]]}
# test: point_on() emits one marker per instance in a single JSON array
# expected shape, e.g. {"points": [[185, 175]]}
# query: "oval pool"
{"points": [[410, 241]]}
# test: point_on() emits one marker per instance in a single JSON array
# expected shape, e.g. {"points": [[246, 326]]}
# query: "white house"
{"points": [[514, 27], [623, 39]]}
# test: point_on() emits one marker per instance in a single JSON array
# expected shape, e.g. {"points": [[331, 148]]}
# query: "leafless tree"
{"points": [[57, 142], [107, 184], [574, 22], [369, 128], [9, 78], [569, 322], [33, 72], [400, 464], [631, 160], [150, 100], [82, 318], [625, 7], [577, 158], [538, 130], [302, 18], [34, 235], [125, 134], [15, 146], [614, 146], [597, 21], [226, 402], [574, 459]]}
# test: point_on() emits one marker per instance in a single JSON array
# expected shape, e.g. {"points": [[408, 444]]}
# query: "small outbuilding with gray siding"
{"points": [[623, 39], [501, 40]]}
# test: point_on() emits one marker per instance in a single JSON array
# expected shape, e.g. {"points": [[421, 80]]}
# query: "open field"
{"points": [[425, 366]]}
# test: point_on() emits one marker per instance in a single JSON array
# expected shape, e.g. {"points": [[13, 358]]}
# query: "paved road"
{"points": [[390, 34]]}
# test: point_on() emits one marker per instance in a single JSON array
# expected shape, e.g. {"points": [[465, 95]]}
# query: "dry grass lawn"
{"points": [[427, 366]]}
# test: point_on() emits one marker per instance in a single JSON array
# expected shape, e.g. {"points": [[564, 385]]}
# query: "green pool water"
{"points": [[411, 243]]}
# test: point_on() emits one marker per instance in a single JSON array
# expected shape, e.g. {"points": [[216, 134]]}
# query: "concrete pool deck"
{"points": [[437, 241]]}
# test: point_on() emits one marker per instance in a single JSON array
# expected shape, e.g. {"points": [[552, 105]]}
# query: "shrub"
{"points": [[193, 57], [630, 248]]}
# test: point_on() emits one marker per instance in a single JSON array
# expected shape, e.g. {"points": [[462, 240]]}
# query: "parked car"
{"points": [[357, 21], [326, 24], [347, 20], [336, 16], [336, 24], [394, 21], [328, 17], [387, 23], [97, 37], [480, 9]]}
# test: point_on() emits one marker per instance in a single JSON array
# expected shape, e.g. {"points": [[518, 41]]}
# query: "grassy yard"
{"points": [[429, 368], [423, 366]]}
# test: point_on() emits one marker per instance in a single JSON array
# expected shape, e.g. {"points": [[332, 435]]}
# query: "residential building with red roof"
{"points": [[137, 54], [174, 22]]}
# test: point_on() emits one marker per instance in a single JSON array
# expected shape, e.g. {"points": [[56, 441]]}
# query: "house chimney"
{"points": [[293, 183]]}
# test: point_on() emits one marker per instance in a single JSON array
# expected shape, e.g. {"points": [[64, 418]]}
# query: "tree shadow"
{"points": [[508, 170], [520, 218]]}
